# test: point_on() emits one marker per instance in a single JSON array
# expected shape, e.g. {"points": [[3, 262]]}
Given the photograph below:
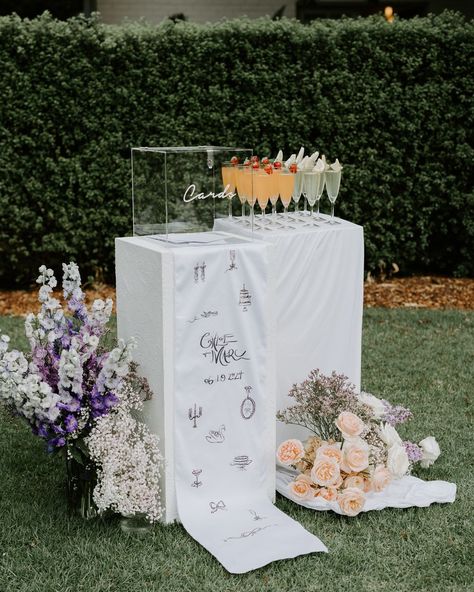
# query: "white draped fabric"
{"points": [[406, 492], [318, 302], [223, 420]]}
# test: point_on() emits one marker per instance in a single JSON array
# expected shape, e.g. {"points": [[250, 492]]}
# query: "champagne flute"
{"points": [[319, 194], [297, 190], [251, 193], [313, 180], [286, 181], [240, 185], [228, 180], [262, 188], [333, 182], [274, 194]]}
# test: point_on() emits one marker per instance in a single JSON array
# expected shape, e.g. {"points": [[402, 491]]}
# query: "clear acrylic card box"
{"points": [[180, 189]]}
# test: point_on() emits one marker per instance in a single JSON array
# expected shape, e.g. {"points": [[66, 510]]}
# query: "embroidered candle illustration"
{"points": [[232, 265], [247, 407], [216, 436], [194, 416], [196, 482], [241, 461], [245, 299]]}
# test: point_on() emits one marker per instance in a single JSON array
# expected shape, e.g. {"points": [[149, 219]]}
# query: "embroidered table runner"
{"points": [[223, 421]]}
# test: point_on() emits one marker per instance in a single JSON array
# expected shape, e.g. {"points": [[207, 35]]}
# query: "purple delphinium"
{"points": [[396, 414], [413, 451]]}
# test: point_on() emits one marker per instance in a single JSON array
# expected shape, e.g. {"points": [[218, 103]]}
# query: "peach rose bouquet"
{"points": [[354, 449]]}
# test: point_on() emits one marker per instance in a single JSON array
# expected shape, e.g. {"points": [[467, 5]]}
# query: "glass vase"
{"points": [[81, 480], [136, 524]]}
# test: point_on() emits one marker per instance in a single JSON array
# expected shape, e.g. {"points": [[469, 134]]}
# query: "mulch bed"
{"points": [[411, 292]]}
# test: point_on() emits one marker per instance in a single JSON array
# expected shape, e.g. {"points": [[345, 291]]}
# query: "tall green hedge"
{"points": [[392, 101]]}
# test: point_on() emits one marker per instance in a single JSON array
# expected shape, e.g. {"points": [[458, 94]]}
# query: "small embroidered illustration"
{"points": [[194, 416], [196, 482], [220, 505], [248, 406], [216, 436], [241, 462], [255, 516], [245, 299], [232, 265]]}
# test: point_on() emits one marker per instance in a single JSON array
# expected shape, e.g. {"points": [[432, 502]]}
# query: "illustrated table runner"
{"points": [[223, 439]]}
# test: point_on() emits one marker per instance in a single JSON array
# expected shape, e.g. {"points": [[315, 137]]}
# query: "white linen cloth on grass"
{"points": [[318, 301], [224, 428], [406, 492]]}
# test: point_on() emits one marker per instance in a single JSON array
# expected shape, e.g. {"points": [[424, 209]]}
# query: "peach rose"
{"points": [[289, 452], [330, 451], [355, 481], [325, 472], [301, 487], [381, 477], [328, 493], [349, 424], [356, 456], [351, 501]]}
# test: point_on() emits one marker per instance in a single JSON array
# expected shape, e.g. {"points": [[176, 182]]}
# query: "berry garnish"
{"points": [[268, 168], [277, 164], [254, 158], [246, 162], [293, 167], [234, 161], [265, 160], [255, 164]]}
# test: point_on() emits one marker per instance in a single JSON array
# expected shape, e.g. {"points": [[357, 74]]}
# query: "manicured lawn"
{"points": [[423, 359]]}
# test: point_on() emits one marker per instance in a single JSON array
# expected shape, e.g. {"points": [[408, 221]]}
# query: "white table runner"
{"points": [[222, 421]]}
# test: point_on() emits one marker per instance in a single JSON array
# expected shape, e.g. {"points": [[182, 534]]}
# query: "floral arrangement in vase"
{"points": [[355, 447], [78, 395]]}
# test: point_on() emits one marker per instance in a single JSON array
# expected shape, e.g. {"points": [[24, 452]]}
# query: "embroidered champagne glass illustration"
{"points": [[245, 299], [220, 505], [248, 406], [196, 482], [242, 462], [232, 265], [196, 273], [194, 416], [255, 516], [203, 271], [216, 436]]}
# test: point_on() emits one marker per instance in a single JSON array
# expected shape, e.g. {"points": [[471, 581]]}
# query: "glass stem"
{"points": [[296, 206], [332, 212], [230, 209], [305, 205], [274, 213], [251, 217], [317, 209], [243, 211]]}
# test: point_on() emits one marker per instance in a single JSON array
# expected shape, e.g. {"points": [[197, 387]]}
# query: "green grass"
{"points": [[423, 359]]}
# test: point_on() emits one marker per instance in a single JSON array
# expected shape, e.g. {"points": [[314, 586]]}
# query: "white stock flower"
{"points": [[430, 449], [70, 371], [397, 461], [374, 403], [389, 435]]}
